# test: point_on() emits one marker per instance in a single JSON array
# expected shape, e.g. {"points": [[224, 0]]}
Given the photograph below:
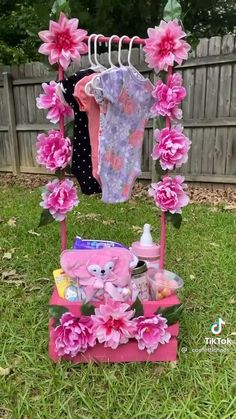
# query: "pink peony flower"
{"points": [[53, 150], [73, 335], [169, 194], [165, 45], [172, 147], [63, 42], [168, 97], [59, 197], [112, 324], [151, 331], [50, 100]]}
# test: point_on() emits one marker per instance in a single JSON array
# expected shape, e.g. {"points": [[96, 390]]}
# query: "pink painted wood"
{"points": [[115, 40], [124, 353]]}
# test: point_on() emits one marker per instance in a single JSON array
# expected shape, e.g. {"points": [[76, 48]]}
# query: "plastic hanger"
{"points": [[100, 66], [119, 49], [95, 66], [129, 58], [92, 64], [109, 51]]}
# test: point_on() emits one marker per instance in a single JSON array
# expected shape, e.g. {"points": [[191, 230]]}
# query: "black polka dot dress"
{"points": [[81, 157]]}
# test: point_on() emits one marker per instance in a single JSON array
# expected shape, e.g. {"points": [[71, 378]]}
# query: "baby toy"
{"points": [[102, 273]]}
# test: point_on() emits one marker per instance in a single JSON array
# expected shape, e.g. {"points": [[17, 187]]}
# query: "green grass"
{"points": [[202, 385]]}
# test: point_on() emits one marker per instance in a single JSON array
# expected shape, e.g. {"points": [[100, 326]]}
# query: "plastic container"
{"points": [[141, 280], [146, 250], [163, 283]]}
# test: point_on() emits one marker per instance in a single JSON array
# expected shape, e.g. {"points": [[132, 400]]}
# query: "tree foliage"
{"points": [[21, 21]]}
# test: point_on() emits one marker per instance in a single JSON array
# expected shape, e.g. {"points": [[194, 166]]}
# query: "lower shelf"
{"points": [[128, 352]]}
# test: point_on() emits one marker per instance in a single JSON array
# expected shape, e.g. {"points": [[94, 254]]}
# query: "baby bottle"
{"points": [[146, 250]]}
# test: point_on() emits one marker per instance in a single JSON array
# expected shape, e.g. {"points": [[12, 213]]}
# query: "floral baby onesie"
{"points": [[127, 100]]}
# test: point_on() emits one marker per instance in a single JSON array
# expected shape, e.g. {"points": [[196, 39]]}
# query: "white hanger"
{"points": [[119, 50], [109, 51], [130, 50], [100, 66], [92, 65]]}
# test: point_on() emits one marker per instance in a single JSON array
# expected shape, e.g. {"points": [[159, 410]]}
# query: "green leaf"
{"points": [[57, 311], [172, 313], [69, 129], [56, 323], [87, 309], [68, 169], [58, 173], [175, 219], [138, 307], [172, 10], [159, 170], [60, 6], [45, 218]]}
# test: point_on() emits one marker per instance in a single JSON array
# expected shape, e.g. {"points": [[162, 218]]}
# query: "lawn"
{"points": [[201, 385]]}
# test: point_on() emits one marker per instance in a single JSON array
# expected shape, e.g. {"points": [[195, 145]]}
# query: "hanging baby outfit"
{"points": [[127, 98], [88, 104], [81, 157]]}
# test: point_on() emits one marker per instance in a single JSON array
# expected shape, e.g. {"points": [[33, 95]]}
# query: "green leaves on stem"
{"points": [[172, 10], [87, 309], [69, 128], [172, 313], [58, 7], [45, 218], [175, 219], [137, 307]]}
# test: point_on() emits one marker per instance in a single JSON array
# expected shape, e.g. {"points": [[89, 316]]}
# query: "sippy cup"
{"points": [[146, 250]]}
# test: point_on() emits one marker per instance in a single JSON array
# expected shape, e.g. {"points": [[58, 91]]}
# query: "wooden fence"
{"points": [[209, 112]]}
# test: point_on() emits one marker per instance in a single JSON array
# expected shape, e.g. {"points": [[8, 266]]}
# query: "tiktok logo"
{"points": [[216, 327]]}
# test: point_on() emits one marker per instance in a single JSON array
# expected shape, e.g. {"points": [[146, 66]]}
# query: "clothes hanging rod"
{"points": [[115, 40]]}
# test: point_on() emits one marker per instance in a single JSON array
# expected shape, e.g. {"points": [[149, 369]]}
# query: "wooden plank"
{"points": [[232, 111], [30, 95], [35, 127], [196, 151], [225, 78], [203, 62], [200, 82], [11, 123], [231, 152], [188, 82], [220, 151], [211, 179], [211, 108], [208, 151]]}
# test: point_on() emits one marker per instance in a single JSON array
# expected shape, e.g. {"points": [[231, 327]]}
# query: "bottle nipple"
{"points": [[146, 238]]}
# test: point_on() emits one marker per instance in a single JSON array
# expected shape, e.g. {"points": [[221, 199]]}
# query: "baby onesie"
{"points": [[81, 157], [89, 105], [128, 98]]}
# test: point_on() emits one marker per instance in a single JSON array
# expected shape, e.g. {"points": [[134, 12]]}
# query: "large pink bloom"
{"points": [[172, 147], [73, 335], [59, 197], [151, 331], [63, 42], [112, 324], [169, 194], [53, 150], [168, 97], [165, 45], [50, 100]]}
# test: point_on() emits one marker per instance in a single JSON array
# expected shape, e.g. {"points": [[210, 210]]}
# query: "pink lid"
{"points": [[146, 251]]}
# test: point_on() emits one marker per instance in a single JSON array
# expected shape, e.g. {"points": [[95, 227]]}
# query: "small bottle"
{"points": [[140, 279], [146, 250]]}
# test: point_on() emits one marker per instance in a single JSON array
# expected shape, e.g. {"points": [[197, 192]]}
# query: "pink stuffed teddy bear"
{"points": [[102, 272]]}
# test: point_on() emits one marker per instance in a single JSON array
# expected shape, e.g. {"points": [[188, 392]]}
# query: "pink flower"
{"points": [[53, 150], [73, 335], [112, 324], [169, 194], [50, 100], [151, 331], [165, 45], [59, 197], [172, 147], [168, 97], [63, 42]]}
